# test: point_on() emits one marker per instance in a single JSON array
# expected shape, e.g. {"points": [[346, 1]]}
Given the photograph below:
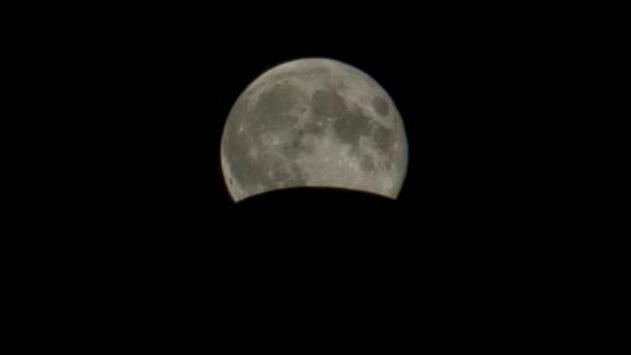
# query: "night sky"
{"points": [[140, 224], [463, 81]]}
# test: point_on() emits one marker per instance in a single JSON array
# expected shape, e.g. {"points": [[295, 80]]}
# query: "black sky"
{"points": [[136, 98], [158, 84]]}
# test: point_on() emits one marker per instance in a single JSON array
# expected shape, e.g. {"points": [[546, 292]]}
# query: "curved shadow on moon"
{"points": [[316, 198]]}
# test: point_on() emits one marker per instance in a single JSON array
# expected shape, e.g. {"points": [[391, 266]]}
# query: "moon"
{"points": [[314, 122]]}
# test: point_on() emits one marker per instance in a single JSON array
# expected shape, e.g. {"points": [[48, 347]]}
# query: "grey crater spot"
{"points": [[354, 125], [381, 106], [327, 103], [384, 138], [368, 163], [273, 108]]}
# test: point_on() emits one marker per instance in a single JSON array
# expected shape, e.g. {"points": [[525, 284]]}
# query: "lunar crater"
{"points": [[381, 106]]}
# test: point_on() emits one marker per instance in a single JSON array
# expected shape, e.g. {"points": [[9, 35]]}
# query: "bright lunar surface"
{"points": [[314, 122]]}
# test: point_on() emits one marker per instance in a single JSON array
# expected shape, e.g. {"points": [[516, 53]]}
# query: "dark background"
{"points": [[140, 226], [150, 90], [138, 97], [470, 87]]}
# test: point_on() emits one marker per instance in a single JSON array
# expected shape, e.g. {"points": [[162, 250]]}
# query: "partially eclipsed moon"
{"points": [[314, 122]]}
